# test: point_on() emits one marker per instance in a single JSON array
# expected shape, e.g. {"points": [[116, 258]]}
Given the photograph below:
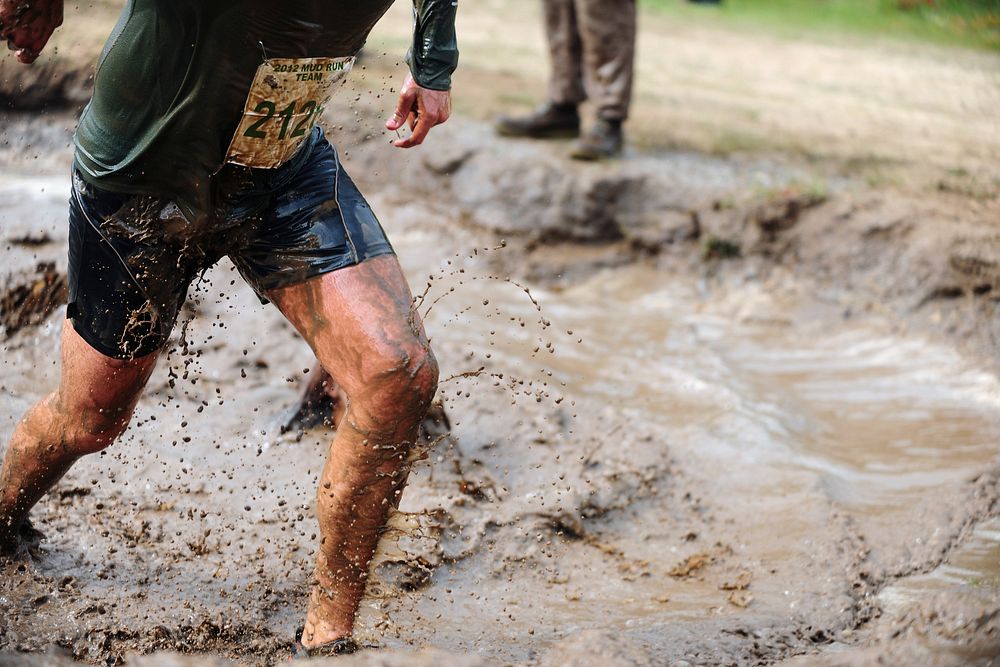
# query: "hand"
{"points": [[26, 25], [422, 108]]}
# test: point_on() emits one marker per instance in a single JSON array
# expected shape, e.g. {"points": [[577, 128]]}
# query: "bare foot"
{"points": [[319, 631]]}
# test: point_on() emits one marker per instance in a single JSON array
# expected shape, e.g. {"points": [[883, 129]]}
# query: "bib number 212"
{"points": [[307, 114], [284, 104]]}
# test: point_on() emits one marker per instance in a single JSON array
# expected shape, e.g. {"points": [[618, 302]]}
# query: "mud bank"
{"points": [[737, 420], [933, 261]]}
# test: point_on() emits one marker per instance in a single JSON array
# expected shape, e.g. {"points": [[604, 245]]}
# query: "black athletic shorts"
{"points": [[132, 257]]}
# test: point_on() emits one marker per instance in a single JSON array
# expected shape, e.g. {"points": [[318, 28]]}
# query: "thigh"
{"points": [[318, 222], [359, 320], [96, 387], [127, 277]]}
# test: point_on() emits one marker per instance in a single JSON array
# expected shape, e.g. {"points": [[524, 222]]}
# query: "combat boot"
{"points": [[604, 140], [549, 121]]}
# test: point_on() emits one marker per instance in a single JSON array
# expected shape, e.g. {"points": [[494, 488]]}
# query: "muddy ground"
{"points": [[751, 420]]}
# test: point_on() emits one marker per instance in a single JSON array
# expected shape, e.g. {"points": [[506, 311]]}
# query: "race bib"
{"points": [[285, 101]]}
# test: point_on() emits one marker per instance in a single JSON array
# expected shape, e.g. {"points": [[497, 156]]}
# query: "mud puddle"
{"points": [[706, 471], [768, 396], [875, 416]]}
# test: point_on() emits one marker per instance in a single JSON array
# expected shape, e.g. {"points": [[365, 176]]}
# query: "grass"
{"points": [[969, 23], [719, 248]]}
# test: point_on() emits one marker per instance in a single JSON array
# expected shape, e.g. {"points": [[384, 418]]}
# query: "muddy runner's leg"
{"points": [[89, 409], [565, 52], [608, 31], [363, 329]]}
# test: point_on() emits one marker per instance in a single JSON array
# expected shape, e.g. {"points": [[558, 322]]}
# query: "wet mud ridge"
{"points": [[932, 259], [28, 300], [702, 437]]}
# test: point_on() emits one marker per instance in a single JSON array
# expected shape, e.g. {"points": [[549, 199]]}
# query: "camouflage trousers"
{"points": [[592, 46]]}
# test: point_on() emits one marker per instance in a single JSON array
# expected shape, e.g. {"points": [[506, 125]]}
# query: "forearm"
{"points": [[434, 54]]}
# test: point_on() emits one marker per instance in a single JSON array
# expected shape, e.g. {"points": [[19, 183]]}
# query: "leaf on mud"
{"points": [[741, 599], [692, 564], [740, 583]]}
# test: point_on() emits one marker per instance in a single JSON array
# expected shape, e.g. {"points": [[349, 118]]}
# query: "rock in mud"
{"points": [[49, 84], [46, 84], [780, 212], [977, 265]]}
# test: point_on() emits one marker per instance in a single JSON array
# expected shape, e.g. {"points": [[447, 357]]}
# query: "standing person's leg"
{"points": [[608, 33], [89, 409], [558, 117], [362, 326], [562, 30]]}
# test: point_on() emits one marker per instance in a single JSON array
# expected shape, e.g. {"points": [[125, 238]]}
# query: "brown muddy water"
{"points": [[719, 473]]}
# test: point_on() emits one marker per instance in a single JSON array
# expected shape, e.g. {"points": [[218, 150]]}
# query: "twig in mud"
{"points": [[466, 374]]}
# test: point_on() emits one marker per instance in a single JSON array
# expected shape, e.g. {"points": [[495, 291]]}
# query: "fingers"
{"points": [[420, 130], [431, 109], [30, 30], [404, 108], [26, 56], [422, 109]]}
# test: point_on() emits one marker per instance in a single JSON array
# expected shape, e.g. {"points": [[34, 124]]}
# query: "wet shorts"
{"points": [[133, 257]]}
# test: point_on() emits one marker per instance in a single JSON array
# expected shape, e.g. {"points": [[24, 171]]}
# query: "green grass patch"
{"points": [[969, 23], [716, 248]]}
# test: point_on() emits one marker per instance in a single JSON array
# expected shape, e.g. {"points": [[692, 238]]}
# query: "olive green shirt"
{"points": [[173, 78]]}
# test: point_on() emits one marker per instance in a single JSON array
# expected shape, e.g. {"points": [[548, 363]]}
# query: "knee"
{"points": [[399, 383], [89, 429]]}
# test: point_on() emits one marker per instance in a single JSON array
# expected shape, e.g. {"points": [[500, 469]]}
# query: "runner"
{"points": [[200, 142]]}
